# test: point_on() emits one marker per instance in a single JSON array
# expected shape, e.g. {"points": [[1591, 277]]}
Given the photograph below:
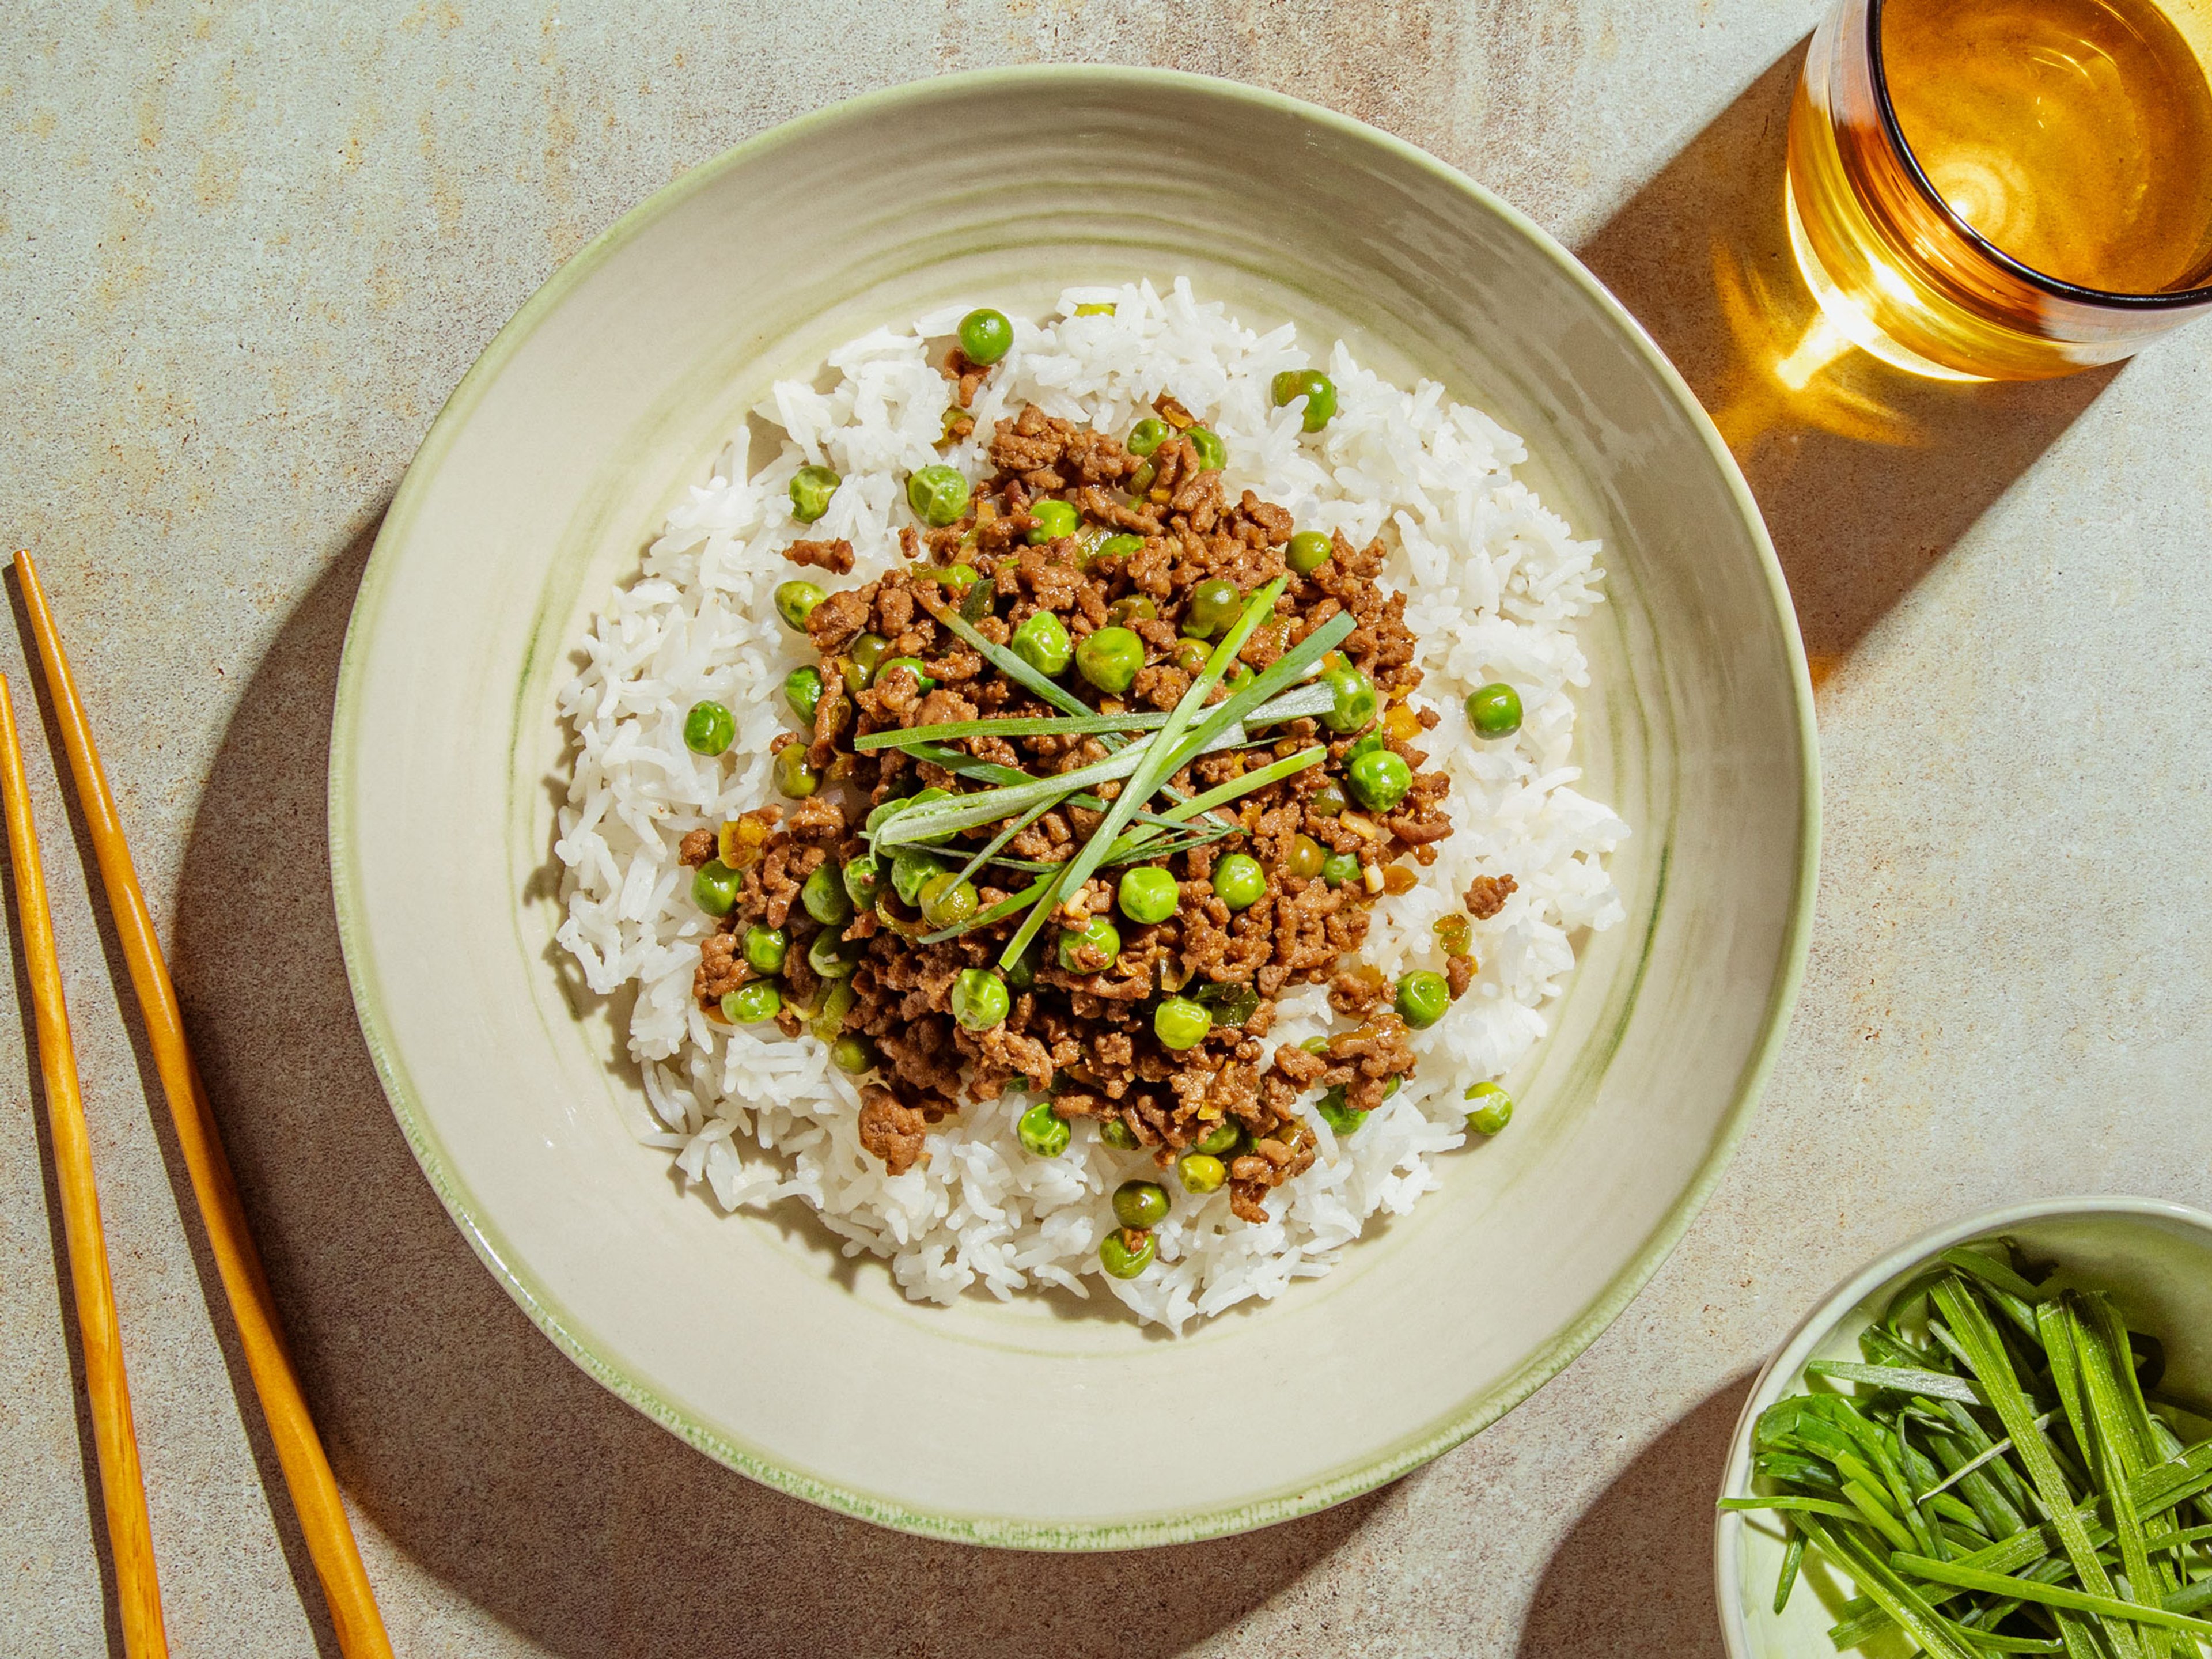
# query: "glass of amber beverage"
{"points": [[2005, 189]]}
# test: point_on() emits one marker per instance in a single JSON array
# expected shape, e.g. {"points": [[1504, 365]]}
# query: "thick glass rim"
{"points": [[2057, 288]]}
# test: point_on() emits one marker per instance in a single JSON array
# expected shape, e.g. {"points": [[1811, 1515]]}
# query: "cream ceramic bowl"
{"points": [[2155, 1260], [1046, 1422]]}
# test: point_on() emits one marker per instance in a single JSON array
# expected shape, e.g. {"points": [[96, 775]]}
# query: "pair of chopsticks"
{"points": [[329, 1536]]}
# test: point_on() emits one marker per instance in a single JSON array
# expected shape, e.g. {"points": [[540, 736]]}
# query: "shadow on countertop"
{"points": [[469, 1439], [1634, 1573], [1867, 475]]}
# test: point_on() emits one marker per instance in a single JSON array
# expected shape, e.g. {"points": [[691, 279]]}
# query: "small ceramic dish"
{"points": [[2153, 1257], [1043, 1421]]}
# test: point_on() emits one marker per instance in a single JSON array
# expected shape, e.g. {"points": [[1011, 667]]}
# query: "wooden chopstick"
{"points": [[121, 1485], [323, 1522]]}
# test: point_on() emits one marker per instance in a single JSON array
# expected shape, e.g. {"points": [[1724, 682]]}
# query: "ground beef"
{"points": [[834, 557], [695, 848], [1486, 895], [891, 1131], [1081, 1030], [1459, 974]]}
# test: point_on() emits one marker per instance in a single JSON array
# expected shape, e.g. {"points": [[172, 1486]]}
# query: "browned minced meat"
{"points": [[891, 1131], [1486, 895], [1459, 974], [834, 557], [695, 848], [1082, 1031]]}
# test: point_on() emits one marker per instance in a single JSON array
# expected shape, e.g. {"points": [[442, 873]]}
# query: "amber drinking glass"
{"points": [[2004, 189]]}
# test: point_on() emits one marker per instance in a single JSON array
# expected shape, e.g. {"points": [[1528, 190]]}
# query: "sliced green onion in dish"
{"points": [[2002, 1477]]}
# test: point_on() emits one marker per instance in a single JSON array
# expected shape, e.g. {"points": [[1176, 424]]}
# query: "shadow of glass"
{"points": [[1634, 1573], [1867, 475], [465, 1435]]}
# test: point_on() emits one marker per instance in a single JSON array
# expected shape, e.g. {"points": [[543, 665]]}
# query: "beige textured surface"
{"points": [[244, 253]]}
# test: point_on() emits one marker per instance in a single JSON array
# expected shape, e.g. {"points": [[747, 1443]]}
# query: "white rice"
{"points": [[1495, 584]]}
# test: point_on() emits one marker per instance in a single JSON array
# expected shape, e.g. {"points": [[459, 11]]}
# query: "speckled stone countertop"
{"points": [[245, 253]]}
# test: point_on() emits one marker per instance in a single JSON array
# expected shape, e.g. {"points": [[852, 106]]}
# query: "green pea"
{"points": [[1366, 744], [1045, 1131], [938, 495], [1494, 1110], [853, 1053], [959, 578], [1306, 857], [1494, 710], [795, 601], [1141, 1204], [1116, 1132], [1238, 882], [1221, 1138], [754, 1001], [1147, 435], [1353, 695], [795, 775], [1380, 779], [802, 689], [1338, 868], [862, 657], [1238, 676], [1422, 998], [914, 663], [1341, 1118], [1181, 1023], [708, 729], [1190, 656], [1021, 974], [1316, 387], [1326, 802], [1200, 1173], [979, 999], [1109, 660], [812, 487], [1212, 455], [1214, 603], [1148, 894], [1101, 935], [829, 1019], [1133, 607], [1041, 642], [985, 336], [911, 871], [863, 878], [1124, 1259], [832, 957], [1049, 521], [825, 896], [715, 887], [1118, 547], [1310, 551], [765, 949], [947, 901]]}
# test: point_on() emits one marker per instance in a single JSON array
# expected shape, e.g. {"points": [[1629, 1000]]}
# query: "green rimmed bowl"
{"points": [[2153, 1257], [1042, 1423]]}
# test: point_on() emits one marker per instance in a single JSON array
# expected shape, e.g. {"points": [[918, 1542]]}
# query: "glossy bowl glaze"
{"points": [[1046, 1422], [2153, 1257]]}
